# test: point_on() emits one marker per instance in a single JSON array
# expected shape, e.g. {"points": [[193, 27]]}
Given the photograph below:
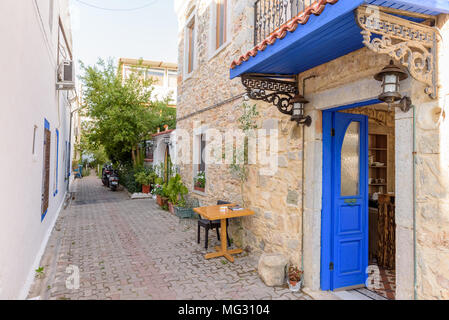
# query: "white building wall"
{"points": [[28, 62]]}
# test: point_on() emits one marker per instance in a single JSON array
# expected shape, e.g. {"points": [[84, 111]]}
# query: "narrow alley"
{"points": [[130, 249]]}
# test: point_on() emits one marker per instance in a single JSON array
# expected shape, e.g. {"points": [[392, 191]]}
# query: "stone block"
{"points": [[293, 244], [292, 156], [282, 162], [268, 215], [272, 269], [292, 197]]}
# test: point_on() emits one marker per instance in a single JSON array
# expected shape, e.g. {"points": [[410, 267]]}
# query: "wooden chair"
{"points": [[208, 225]]}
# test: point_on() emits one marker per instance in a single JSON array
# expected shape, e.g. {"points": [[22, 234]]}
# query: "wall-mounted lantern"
{"points": [[391, 76], [299, 103], [167, 141]]}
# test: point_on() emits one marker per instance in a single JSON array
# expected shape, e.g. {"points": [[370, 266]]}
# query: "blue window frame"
{"points": [[46, 169]]}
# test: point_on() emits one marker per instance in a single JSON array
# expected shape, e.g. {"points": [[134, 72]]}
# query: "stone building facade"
{"points": [[276, 224], [289, 204]]}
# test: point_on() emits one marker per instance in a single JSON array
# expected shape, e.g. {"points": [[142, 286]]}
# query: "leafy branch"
{"points": [[247, 123]]}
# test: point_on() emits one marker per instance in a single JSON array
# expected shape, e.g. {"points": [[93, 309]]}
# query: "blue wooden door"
{"points": [[349, 207]]}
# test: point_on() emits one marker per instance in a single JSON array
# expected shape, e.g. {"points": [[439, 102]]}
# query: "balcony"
{"points": [[293, 36], [270, 15]]}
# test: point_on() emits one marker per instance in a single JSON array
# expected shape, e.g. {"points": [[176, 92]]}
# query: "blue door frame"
{"points": [[331, 275]]}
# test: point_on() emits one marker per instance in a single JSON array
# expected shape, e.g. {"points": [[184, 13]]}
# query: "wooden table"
{"points": [[214, 213]]}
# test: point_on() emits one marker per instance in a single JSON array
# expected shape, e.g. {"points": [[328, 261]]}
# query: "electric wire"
{"points": [[117, 9]]}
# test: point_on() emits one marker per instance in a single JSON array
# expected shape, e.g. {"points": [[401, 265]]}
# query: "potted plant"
{"points": [[200, 181], [176, 191], [184, 209], [164, 197], [145, 178], [158, 191], [294, 278]]}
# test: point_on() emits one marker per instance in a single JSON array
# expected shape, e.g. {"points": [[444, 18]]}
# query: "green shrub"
{"points": [[127, 178], [145, 177], [176, 190]]}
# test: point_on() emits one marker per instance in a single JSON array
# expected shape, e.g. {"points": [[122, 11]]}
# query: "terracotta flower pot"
{"points": [[199, 189], [159, 200], [146, 189]]}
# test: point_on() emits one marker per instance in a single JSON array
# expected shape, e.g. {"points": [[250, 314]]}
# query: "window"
{"points": [[350, 161], [46, 169], [221, 22], [219, 26], [127, 72], [199, 158], [149, 153], [172, 79], [55, 185], [157, 75], [190, 45], [202, 163]]}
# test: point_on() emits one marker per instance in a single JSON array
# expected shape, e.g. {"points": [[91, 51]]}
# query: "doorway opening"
{"points": [[381, 198], [358, 221]]}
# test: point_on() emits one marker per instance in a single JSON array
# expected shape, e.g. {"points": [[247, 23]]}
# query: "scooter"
{"points": [[106, 174], [113, 180]]}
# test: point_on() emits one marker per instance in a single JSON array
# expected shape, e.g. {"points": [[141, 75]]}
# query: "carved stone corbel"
{"points": [[414, 45]]}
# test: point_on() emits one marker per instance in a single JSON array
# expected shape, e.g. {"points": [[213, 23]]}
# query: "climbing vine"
{"points": [[247, 123]]}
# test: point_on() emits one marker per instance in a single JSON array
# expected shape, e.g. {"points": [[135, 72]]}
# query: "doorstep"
{"points": [[139, 195], [320, 295], [354, 294]]}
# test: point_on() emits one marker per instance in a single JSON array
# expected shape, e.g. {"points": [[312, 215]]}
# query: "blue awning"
{"points": [[332, 34]]}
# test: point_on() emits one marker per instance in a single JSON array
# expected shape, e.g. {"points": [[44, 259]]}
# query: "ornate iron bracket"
{"points": [[414, 45], [276, 89]]}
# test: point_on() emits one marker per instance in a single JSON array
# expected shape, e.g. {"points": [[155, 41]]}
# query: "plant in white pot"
{"points": [[294, 278]]}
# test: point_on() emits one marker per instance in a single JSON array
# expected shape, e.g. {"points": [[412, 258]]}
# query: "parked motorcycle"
{"points": [[113, 180], [106, 174]]}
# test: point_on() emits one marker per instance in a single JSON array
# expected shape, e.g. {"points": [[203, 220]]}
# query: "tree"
{"points": [[91, 154], [122, 112]]}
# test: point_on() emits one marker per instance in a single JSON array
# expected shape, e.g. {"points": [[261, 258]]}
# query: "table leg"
{"points": [[224, 242], [223, 251]]}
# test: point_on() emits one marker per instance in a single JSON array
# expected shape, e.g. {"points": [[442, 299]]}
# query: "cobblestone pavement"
{"points": [[130, 249]]}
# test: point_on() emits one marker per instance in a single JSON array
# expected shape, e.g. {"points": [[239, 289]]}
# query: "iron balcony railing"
{"points": [[272, 14]]}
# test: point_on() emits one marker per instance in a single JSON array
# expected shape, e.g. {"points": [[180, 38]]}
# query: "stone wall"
{"points": [[432, 183], [277, 200]]}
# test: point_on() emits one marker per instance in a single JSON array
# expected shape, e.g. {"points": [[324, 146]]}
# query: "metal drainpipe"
{"points": [[302, 197], [70, 140]]}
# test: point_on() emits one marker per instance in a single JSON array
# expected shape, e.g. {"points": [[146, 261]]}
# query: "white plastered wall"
{"points": [[28, 96]]}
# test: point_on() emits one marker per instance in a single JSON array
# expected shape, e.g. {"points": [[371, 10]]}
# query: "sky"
{"points": [[149, 33]]}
